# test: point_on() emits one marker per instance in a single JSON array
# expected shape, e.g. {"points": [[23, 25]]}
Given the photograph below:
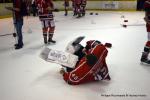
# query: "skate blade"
{"points": [[144, 63]]}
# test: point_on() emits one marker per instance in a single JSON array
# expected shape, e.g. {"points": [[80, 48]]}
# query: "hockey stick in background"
{"points": [[124, 25], [14, 34]]}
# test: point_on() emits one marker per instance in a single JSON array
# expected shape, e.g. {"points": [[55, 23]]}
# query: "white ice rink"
{"points": [[25, 76]]}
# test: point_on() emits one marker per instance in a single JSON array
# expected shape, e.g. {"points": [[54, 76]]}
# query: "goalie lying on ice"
{"points": [[91, 67]]}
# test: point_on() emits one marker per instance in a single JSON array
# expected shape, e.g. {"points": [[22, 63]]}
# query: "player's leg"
{"points": [[66, 11], [83, 9], [51, 31], [66, 8], [144, 57], [18, 26], [78, 10], [44, 29]]}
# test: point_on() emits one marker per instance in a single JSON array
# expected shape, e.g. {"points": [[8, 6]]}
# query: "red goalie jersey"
{"points": [[87, 72]]}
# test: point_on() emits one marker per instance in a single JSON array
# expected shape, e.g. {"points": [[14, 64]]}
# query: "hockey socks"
{"points": [[45, 37]]}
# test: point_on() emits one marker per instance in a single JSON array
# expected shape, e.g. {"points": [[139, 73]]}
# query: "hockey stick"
{"points": [[14, 34], [124, 25], [136, 25]]}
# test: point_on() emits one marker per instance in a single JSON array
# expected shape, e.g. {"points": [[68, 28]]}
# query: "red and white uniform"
{"points": [[45, 15], [148, 24], [43, 5], [84, 73], [147, 18], [146, 51], [147, 4], [78, 6], [83, 3], [147, 14]]}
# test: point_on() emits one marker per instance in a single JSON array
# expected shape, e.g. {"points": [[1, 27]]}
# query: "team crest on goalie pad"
{"points": [[59, 57]]}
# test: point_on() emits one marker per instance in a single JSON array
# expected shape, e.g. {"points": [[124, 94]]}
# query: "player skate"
{"points": [[144, 58], [51, 41]]}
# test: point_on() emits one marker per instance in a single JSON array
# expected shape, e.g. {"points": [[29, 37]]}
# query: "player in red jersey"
{"points": [[66, 5], [74, 8], [83, 5], [78, 8], [45, 8], [91, 67], [144, 58]]}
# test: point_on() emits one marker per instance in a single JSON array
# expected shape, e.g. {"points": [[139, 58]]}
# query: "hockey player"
{"points": [[83, 5], [91, 67], [78, 8], [74, 8], [66, 5], [45, 9], [144, 58]]}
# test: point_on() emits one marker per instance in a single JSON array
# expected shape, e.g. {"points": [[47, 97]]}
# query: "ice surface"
{"points": [[25, 76]]}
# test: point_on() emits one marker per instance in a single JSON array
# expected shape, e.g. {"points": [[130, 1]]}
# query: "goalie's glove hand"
{"points": [[62, 71]]}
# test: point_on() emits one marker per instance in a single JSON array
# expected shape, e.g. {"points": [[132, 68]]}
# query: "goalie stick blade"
{"points": [[78, 40], [44, 53]]}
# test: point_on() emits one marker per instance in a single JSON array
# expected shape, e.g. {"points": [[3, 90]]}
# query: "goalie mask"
{"points": [[92, 43], [147, 5]]}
